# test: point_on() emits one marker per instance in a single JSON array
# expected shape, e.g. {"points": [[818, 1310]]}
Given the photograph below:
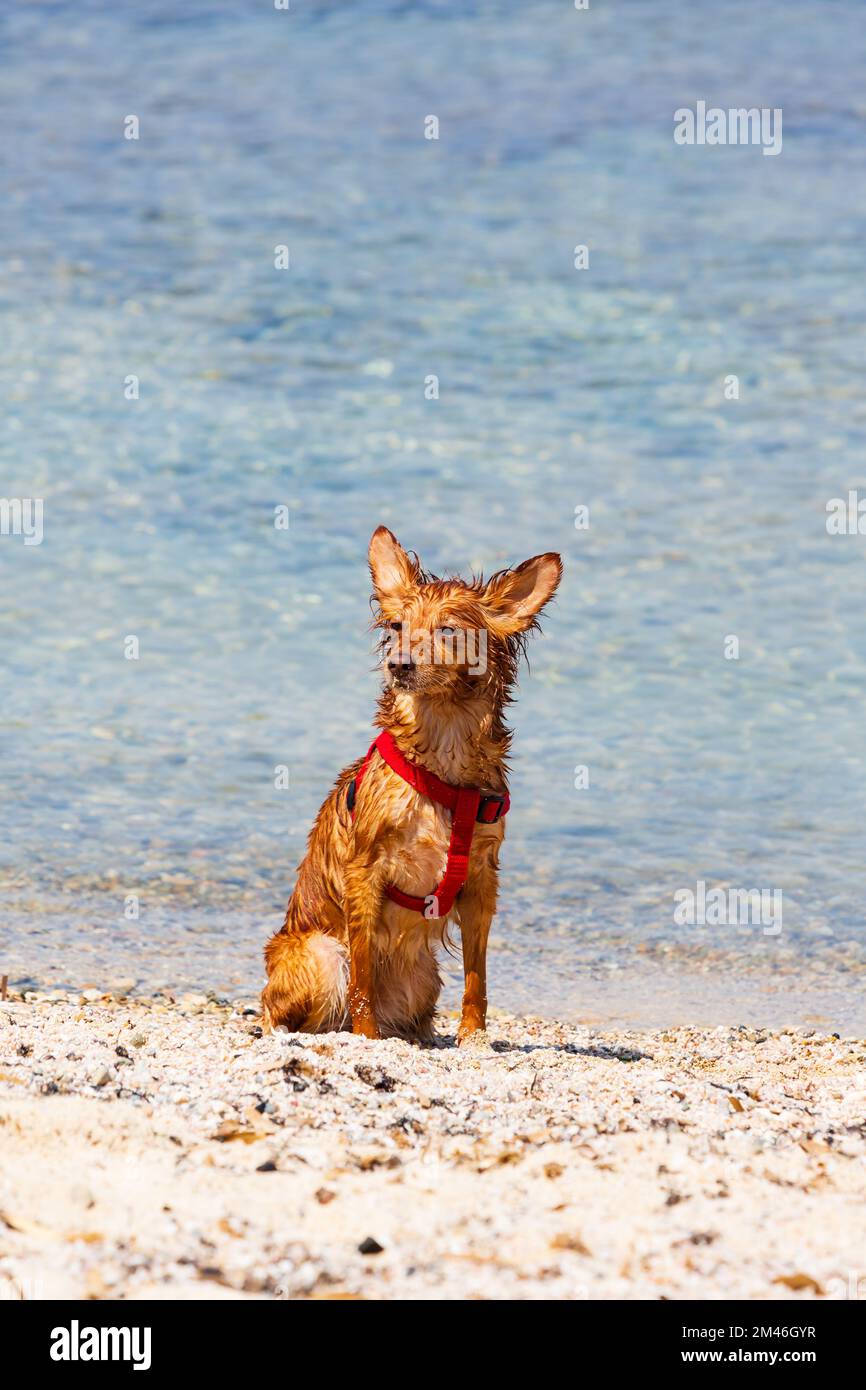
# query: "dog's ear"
{"points": [[394, 573], [513, 599]]}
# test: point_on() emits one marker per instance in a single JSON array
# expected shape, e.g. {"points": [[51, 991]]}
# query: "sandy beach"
{"points": [[162, 1148]]}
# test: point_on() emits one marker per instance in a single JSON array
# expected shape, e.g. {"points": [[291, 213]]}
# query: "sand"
{"points": [[152, 1148]]}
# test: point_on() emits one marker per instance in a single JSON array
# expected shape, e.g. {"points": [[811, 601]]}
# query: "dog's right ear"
{"points": [[394, 574]]}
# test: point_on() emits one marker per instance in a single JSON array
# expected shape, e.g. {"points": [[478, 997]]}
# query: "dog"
{"points": [[424, 807]]}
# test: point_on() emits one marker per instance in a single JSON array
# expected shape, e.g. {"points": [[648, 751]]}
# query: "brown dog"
{"points": [[424, 808]]}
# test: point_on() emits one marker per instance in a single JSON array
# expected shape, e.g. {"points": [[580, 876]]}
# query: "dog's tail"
{"points": [[308, 981]]}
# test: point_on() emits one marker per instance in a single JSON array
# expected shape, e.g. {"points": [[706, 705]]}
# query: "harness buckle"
{"points": [[490, 808]]}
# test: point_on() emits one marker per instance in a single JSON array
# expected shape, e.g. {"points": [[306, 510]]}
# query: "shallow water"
{"points": [[305, 387]]}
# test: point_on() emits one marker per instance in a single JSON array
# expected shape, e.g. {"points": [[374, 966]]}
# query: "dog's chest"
{"points": [[418, 853]]}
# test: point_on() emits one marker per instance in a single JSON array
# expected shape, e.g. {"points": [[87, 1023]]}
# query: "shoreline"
{"points": [[646, 996], [162, 1148]]}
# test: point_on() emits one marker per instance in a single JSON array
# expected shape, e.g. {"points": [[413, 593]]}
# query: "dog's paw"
{"points": [[365, 1028], [470, 1035]]}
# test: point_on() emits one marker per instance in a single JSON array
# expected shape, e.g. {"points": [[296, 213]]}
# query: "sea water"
{"points": [[237, 317]]}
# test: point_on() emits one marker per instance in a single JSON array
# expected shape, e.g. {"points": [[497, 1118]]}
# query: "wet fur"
{"points": [[346, 955]]}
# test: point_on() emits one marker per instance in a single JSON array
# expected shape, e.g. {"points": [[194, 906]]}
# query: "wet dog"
{"points": [[407, 842]]}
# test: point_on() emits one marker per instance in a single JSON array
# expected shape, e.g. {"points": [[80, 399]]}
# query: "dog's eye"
{"points": [[447, 631], [395, 627]]}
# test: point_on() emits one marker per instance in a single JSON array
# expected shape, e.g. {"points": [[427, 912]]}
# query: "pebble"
{"points": [[193, 1003]]}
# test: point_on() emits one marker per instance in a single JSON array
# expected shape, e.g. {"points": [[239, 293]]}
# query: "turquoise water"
{"points": [[603, 387]]}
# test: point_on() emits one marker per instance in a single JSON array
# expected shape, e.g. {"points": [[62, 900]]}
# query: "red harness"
{"points": [[466, 804]]}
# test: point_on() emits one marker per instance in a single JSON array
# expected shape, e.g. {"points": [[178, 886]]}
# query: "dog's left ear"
{"points": [[513, 599], [394, 573]]}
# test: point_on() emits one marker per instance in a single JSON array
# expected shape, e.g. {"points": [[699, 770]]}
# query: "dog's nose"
{"points": [[400, 665]]}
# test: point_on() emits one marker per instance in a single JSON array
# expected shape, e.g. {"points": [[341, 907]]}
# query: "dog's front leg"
{"points": [[363, 904], [476, 906]]}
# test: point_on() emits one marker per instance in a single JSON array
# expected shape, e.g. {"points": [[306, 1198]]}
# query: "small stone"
{"points": [[375, 1077], [193, 1003], [101, 1076], [569, 1240], [267, 1167], [369, 1246], [121, 988]]}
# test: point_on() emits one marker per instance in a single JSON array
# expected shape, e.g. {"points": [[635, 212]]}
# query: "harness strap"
{"points": [[466, 805], [440, 902]]}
